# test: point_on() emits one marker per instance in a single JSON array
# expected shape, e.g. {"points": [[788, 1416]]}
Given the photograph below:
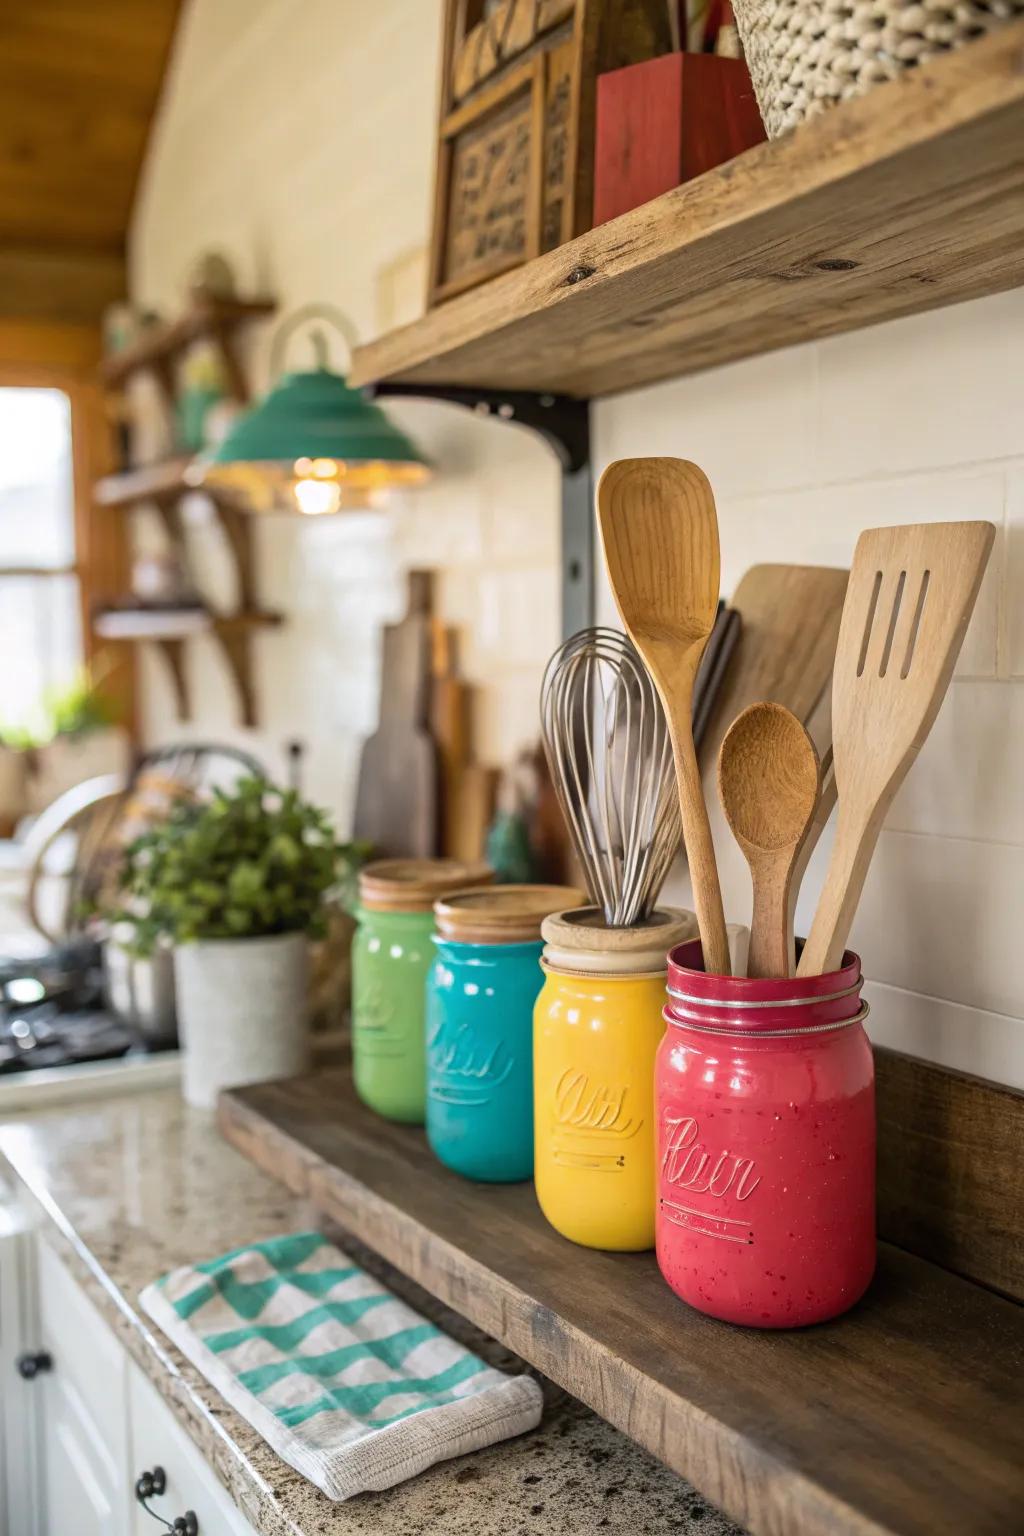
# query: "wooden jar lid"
{"points": [[413, 885], [582, 941], [503, 914]]}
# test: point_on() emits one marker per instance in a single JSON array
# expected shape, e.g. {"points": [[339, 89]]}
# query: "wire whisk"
{"points": [[608, 748]]}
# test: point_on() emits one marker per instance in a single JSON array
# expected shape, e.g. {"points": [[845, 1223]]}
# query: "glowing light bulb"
{"points": [[315, 498]]}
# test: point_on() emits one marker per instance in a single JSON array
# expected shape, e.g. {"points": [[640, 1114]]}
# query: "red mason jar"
{"points": [[765, 1101]]}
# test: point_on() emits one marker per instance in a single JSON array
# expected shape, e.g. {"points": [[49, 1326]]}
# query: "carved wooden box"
{"points": [[516, 136]]}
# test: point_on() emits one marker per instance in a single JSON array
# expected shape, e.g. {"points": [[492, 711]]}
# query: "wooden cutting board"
{"points": [[790, 625], [397, 793], [451, 728]]}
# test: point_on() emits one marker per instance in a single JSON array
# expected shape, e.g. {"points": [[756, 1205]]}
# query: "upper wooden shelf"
{"points": [[153, 623], [905, 200], [161, 343], [151, 482]]}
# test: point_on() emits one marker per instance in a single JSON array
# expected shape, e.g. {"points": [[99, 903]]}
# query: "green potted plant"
{"points": [[72, 733], [238, 884]]}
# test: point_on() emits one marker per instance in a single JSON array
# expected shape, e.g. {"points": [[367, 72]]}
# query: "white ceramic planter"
{"points": [[243, 1012]]}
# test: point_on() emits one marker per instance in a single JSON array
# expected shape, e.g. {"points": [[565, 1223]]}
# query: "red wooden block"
{"points": [[665, 121]]}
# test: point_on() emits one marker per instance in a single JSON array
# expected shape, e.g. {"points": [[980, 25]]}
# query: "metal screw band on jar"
{"points": [[769, 1034], [784, 1002]]}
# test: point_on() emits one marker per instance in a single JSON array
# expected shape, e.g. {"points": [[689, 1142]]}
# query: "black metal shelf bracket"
{"points": [[564, 424]]}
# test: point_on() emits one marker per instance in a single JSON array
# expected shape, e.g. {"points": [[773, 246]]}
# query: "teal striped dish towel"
{"points": [[350, 1386]]}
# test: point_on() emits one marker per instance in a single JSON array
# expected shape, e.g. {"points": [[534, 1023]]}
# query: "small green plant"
{"points": [[76, 708], [247, 863]]}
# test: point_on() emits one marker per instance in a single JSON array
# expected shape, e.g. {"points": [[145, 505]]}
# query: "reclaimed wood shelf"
{"points": [[153, 623], [161, 344], [905, 200], [901, 1419], [169, 628]]}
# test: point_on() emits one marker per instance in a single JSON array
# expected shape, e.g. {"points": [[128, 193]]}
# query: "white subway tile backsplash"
{"points": [[942, 916], [507, 718], [750, 426], [440, 525], [967, 779], [519, 616], [523, 516], [935, 389], [1012, 635], [820, 526], [967, 1039]]}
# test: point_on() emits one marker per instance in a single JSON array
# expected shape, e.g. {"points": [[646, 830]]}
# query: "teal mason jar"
{"points": [[392, 953], [480, 996]]}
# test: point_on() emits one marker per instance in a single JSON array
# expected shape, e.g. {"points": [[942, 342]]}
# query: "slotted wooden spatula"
{"points": [[911, 594]]}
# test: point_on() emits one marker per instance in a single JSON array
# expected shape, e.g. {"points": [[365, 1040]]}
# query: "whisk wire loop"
{"points": [[610, 756]]}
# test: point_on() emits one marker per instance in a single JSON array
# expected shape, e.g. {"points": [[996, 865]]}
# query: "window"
{"points": [[40, 623]]}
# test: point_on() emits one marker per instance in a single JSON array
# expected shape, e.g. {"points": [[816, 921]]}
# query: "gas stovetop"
{"points": [[52, 1014]]}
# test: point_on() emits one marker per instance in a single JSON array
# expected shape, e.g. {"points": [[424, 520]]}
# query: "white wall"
{"points": [[300, 140]]}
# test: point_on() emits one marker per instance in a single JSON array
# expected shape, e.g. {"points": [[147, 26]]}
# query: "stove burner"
{"points": [[50, 1014]]}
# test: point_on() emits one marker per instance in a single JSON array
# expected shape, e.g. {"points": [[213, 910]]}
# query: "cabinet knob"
{"points": [[150, 1485], [32, 1362]]}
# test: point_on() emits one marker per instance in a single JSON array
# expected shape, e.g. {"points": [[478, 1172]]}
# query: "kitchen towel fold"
{"points": [[350, 1386]]}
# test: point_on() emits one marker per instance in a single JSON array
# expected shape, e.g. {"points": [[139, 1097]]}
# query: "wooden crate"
{"points": [[515, 162]]}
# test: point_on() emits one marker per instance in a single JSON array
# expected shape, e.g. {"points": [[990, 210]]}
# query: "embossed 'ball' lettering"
{"points": [[685, 1164]]}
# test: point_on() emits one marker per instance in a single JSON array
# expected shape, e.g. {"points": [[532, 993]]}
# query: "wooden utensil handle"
{"points": [[700, 849], [769, 929], [847, 870]]}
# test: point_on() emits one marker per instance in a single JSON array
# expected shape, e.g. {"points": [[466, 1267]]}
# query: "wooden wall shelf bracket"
{"points": [[564, 424], [173, 652]]}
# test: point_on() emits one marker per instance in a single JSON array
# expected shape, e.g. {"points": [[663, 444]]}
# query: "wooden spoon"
{"points": [[659, 531], [911, 594], [768, 786]]}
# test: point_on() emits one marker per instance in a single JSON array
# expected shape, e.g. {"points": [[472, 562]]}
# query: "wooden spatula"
{"points": [[911, 594], [768, 786], [659, 530]]}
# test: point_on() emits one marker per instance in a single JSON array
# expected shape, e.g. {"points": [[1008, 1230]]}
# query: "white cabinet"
{"points": [[19, 1472], [83, 1407], [78, 1434], [159, 1441]]}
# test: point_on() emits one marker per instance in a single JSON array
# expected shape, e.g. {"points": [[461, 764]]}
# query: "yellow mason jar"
{"points": [[596, 1027]]}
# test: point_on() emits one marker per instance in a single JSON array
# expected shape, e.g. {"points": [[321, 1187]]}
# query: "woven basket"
{"points": [[805, 55]]}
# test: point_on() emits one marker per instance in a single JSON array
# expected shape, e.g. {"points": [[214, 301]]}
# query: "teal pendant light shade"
{"points": [[313, 444]]}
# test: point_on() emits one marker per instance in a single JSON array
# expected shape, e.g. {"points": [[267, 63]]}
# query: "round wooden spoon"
{"points": [[659, 532], [768, 783]]}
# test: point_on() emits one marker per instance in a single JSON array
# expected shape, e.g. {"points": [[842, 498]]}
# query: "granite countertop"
{"points": [[131, 1187]]}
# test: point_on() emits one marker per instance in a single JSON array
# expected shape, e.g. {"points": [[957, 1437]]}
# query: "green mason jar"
{"points": [[392, 954]]}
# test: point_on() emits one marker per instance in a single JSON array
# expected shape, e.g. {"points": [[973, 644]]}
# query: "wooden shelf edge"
{"points": [[894, 1420], [196, 621], [762, 236], [233, 633], [150, 482], [161, 342]]}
